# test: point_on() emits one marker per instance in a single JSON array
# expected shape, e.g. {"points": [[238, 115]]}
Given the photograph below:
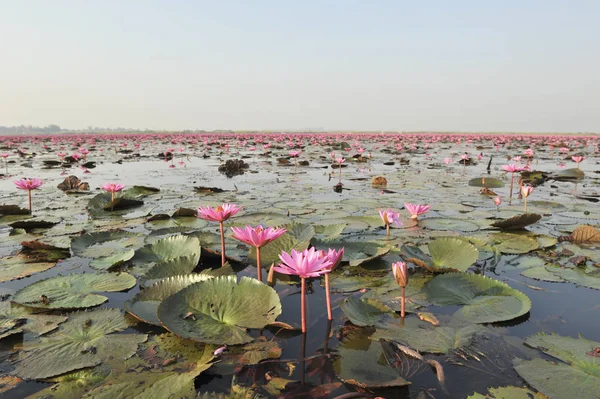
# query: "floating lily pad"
{"points": [[104, 243], [485, 300], [355, 253], [517, 222], [576, 375], [488, 182], [19, 266], [366, 312], [219, 310], [541, 273], [513, 243], [24, 320], [112, 261], [452, 253], [449, 224], [85, 340], [163, 250], [508, 393], [103, 203], [75, 291], [364, 365], [172, 267]]}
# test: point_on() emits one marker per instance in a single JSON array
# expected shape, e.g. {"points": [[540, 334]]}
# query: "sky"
{"points": [[522, 66]]}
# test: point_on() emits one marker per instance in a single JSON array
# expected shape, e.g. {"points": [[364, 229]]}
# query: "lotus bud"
{"points": [[400, 273]]}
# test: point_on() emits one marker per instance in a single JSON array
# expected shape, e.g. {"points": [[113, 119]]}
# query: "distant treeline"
{"points": [[57, 129]]}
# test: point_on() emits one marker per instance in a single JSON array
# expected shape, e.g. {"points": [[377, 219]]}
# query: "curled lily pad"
{"points": [[484, 300], [85, 340], [583, 234], [577, 374], [219, 310], [517, 222], [144, 305], [163, 250], [447, 254], [102, 203], [74, 291]]}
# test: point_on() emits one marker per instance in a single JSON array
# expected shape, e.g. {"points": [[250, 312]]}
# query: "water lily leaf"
{"points": [[144, 305], [74, 291], [583, 234], [163, 250], [255, 352], [568, 174], [488, 182], [296, 237], [517, 222], [112, 261], [449, 224], [508, 393], [219, 310], [102, 203], [137, 192], [23, 319], [13, 210], [329, 232], [172, 267], [364, 365], [85, 340], [541, 273], [72, 385], [428, 339], [513, 243], [576, 375], [578, 276], [452, 253], [485, 300], [104, 243], [366, 311], [19, 266], [265, 219]]}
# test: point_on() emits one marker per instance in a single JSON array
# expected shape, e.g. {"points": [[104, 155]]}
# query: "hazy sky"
{"points": [[250, 64]]}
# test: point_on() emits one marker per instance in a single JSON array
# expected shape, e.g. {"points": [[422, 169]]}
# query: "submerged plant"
{"points": [[305, 264], [400, 272], [29, 185], [219, 214], [390, 217], [416, 210], [525, 191], [257, 237], [113, 188]]}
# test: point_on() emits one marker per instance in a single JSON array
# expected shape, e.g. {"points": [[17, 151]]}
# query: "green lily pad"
{"points": [[112, 261], [365, 311], [355, 253], [102, 203], [74, 291], [104, 243], [508, 393], [19, 266], [172, 267], [163, 250], [72, 385], [85, 340], [452, 253], [513, 243], [364, 365], [576, 375], [21, 319], [144, 305], [221, 309], [485, 300], [449, 224], [488, 182], [541, 273]]}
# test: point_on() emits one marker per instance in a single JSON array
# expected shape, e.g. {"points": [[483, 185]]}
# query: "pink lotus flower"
{"points": [[294, 153], [578, 159], [29, 185], [528, 152], [113, 187], [257, 237], [416, 210], [4, 155], [390, 217], [497, 201], [526, 190], [512, 168], [219, 214], [305, 264]]}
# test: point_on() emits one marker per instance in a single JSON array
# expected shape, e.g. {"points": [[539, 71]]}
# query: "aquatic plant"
{"points": [[390, 217], [112, 188], [305, 264], [512, 168], [29, 185], [416, 210], [219, 214], [400, 272], [257, 237], [526, 190], [335, 257], [578, 159]]}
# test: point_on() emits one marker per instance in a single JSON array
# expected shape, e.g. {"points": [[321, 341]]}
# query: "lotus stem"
{"points": [[328, 298], [327, 334], [29, 198], [387, 230], [303, 304], [303, 350], [258, 268], [403, 303], [525, 204], [271, 275], [222, 244], [112, 196], [512, 180]]}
